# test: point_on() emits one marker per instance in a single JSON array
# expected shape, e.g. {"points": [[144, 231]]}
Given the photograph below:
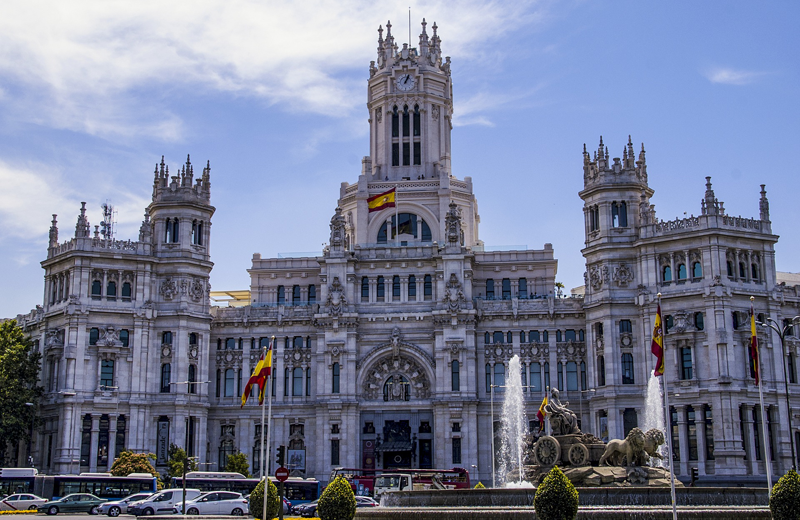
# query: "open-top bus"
{"points": [[297, 490]]}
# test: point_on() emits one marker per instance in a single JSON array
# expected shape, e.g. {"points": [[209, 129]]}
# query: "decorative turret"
{"points": [[82, 228], [600, 169], [763, 205], [180, 186], [145, 230], [429, 52], [338, 232], [53, 232], [710, 205]]}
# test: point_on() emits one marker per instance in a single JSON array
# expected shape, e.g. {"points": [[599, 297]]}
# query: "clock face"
{"points": [[405, 82]]}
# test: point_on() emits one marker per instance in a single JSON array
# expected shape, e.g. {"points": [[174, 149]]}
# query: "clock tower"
{"points": [[410, 104]]}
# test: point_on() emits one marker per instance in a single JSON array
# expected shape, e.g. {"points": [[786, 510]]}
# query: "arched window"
{"points": [[175, 230], [729, 265], [428, 287], [498, 337], [395, 288], [406, 133], [381, 288], [297, 381], [230, 344], [97, 289], [124, 337], [412, 288], [396, 388], [409, 225], [623, 214], [296, 295], [682, 271], [754, 271], [627, 369], [666, 274], [697, 270], [168, 231], [558, 336], [455, 379], [522, 336], [487, 338], [614, 215], [742, 271], [364, 289], [312, 294], [417, 133], [490, 289], [572, 375], [601, 371], [509, 337], [126, 291], [230, 382], [335, 379], [192, 378], [395, 124], [698, 321], [499, 376], [94, 335], [197, 232], [111, 290]]}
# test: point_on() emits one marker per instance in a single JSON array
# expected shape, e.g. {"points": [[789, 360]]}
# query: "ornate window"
{"points": [[395, 288], [619, 214], [94, 335], [754, 271], [427, 287], [572, 376], [625, 326], [560, 374], [487, 338], [396, 388], [124, 337], [197, 232], [546, 374], [126, 291], [335, 379], [166, 338], [698, 321], [111, 290], [627, 369], [498, 337], [456, 450], [226, 445], [499, 376], [686, 362], [297, 382], [97, 289], [455, 377], [583, 376], [792, 369], [533, 336], [682, 272], [412, 288], [364, 289], [107, 372], [742, 271], [729, 265], [381, 288], [535, 381], [666, 274], [166, 370], [697, 270], [230, 382], [409, 224]]}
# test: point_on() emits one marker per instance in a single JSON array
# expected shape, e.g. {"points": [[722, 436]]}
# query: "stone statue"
{"points": [[562, 420], [628, 452]]}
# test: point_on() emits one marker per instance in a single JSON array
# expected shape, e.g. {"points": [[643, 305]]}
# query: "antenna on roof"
{"points": [[409, 26]]}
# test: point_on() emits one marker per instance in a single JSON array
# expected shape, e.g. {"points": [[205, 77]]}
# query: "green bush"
{"points": [[337, 501], [784, 500], [556, 498], [257, 501], [479, 485]]}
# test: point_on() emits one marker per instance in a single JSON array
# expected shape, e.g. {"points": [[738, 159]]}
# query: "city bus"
{"points": [[297, 490], [103, 485], [363, 480]]}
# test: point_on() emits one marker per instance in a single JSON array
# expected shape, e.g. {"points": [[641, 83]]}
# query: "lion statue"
{"points": [[653, 438], [628, 452]]}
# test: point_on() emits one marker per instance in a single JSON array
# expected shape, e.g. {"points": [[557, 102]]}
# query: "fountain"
{"points": [[514, 423], [654, 414]]}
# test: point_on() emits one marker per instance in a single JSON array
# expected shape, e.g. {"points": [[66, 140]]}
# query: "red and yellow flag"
{"points": [[259, 377], [754, 361], [542, 413], [657, 346], [381, 200]]}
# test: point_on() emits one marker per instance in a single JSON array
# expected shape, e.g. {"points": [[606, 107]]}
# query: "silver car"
{"points": [[118, 507]]}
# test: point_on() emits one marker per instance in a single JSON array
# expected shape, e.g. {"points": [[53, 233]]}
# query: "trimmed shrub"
{"points": [[337, 501], [257, 501], [556, 498], [784, 500], [479, 485]]}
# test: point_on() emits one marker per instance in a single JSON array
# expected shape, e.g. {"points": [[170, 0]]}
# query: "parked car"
{"points": [[366, 502], [21, 502], [121, 506], [162, 502], [74, 503], [215, 503], [287, 506], [309, 509]]}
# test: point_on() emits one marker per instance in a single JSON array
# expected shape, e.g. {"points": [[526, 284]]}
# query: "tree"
{"points": [[337, 502], [129, 462], [237, 463], [19, 378], [177, 456], [257, 501], [559, 289], [556, 498]]}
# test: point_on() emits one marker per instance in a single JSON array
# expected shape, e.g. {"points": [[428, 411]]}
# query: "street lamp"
{"points": [[29, 457], [186, 444], [782, 335]]}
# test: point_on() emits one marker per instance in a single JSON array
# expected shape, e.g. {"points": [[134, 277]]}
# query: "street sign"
{"points": [[282, 474]]}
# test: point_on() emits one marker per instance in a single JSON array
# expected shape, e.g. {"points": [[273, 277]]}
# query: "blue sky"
{"points": [[273, 94]]}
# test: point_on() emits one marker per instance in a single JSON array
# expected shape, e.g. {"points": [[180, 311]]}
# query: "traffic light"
{"points": [[280, 457], [694, 476]]}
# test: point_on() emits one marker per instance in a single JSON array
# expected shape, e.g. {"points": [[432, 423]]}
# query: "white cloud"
{"points": [[101, 67], [730, 76]]}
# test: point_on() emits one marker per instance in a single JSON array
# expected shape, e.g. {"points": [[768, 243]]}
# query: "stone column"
{"points": [[112, 440], [94, 443], [700, 428], [749, 442], [403, 289], [683, 441], [387, 291], [672, 271], [373, 290]]}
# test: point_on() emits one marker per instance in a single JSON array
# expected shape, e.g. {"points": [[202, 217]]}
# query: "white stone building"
{"points": [[387, 343]]}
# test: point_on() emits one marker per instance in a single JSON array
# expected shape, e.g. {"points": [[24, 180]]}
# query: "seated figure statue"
{"points": [[562, 420]]}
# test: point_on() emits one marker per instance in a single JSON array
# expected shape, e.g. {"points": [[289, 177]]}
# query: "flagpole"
{"points": [[397, 208], [668, 419], [767, 463], [268, 425]]}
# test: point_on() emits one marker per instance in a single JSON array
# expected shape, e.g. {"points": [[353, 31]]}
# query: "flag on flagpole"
{"points": [[657, 346], [382, 200], [259, 377], [542, 413], [754, 362]]}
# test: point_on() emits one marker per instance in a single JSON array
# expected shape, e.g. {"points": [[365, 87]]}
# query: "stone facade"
{"points": [[387, 344]]}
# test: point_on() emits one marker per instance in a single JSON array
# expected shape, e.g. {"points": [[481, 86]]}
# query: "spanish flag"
{"points": [[381, 201], [754, 361], [259, 377], [541, 414], [657, 346]]}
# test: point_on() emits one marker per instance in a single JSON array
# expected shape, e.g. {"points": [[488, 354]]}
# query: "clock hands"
{"points": [[408, 77]]}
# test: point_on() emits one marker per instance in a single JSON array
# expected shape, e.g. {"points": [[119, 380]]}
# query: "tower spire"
{"points": [[763, 205]]}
